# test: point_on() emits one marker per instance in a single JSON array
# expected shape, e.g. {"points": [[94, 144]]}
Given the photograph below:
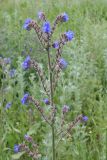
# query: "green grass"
{"points": [[83, 86]]}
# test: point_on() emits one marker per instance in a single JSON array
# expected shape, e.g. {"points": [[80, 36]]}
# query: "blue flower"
{"points": [[24, 100], [40, 15], [7, 60], [46, 101], [69, 35], [12, 73], [28, 138], [8, 105], [16, 148], [26, 63], [56, 44], [46, 27], [85, 118], [62, 63], [65, 17], [26, 24]]}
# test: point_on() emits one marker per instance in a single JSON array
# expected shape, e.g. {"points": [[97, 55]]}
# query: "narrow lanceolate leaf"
{"points": [[17, 156]]}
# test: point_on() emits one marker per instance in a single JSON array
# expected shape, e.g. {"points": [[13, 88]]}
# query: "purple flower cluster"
{"points": [[46, 101], [26, 63], [46, 27], [26, 24], [69, 35], [62, 63], [55, 45], [65, 17], [28, 138], [16, 148], [7, 60], [65, 109], [41, 15], [8, 105], [85, 118], [24, 100]]}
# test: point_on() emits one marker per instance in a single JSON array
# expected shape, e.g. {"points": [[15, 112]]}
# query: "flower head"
{"points": [[65, 17], [7, 60], [24, 100], [46, 101], [62, 63], [28, 138], [41, 15], [26, 63], [56, 44], [16, 148], [8, 105], [69, 35], [26, 24], [65, 109], [46, 27], [85, 118]]}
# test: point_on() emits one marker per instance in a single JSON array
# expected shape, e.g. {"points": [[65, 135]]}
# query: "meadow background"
{"points": [[83, 86]]}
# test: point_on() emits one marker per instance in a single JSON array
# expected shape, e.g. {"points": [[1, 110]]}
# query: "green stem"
{"points": [[51, 100]]}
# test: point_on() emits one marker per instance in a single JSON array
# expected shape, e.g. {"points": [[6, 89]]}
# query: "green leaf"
{"points": [[17, 156]]}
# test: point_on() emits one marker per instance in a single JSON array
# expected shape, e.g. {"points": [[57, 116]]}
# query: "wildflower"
{"points": [[41, 15], [26, 63], [69, 35], [7, 60], [46, 27], [16, 148], [65, 109], [85, 118], [56, 44], [62, 63], [12, 73], [25, 99], [46, 101], [30, 49], [8, 105], [28, 138], [65, 17], [26, 24]]}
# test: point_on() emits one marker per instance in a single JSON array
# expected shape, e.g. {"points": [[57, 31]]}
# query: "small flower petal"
{"points": [[24, 100], [26, 63], [62, 63], [46, 27], [69, 35], [26, 24]]}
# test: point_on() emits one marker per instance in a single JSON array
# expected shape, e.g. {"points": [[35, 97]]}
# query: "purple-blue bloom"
{"points": [[65, 17], [12, 73], [65, 109], [24, 100], [69, 35], [56, 44], [26, 63], [46, 101], [85, 118], [40, 15], [16, 148], [62, 63], [7, 60], [28, 138], [26, 24], [8, 105], [46, 27]]}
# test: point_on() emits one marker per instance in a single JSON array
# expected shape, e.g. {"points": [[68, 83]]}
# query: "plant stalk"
{"points": [[51, 99]]}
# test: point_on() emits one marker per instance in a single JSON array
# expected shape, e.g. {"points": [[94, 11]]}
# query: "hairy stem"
{"points": [[51, 99]]}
